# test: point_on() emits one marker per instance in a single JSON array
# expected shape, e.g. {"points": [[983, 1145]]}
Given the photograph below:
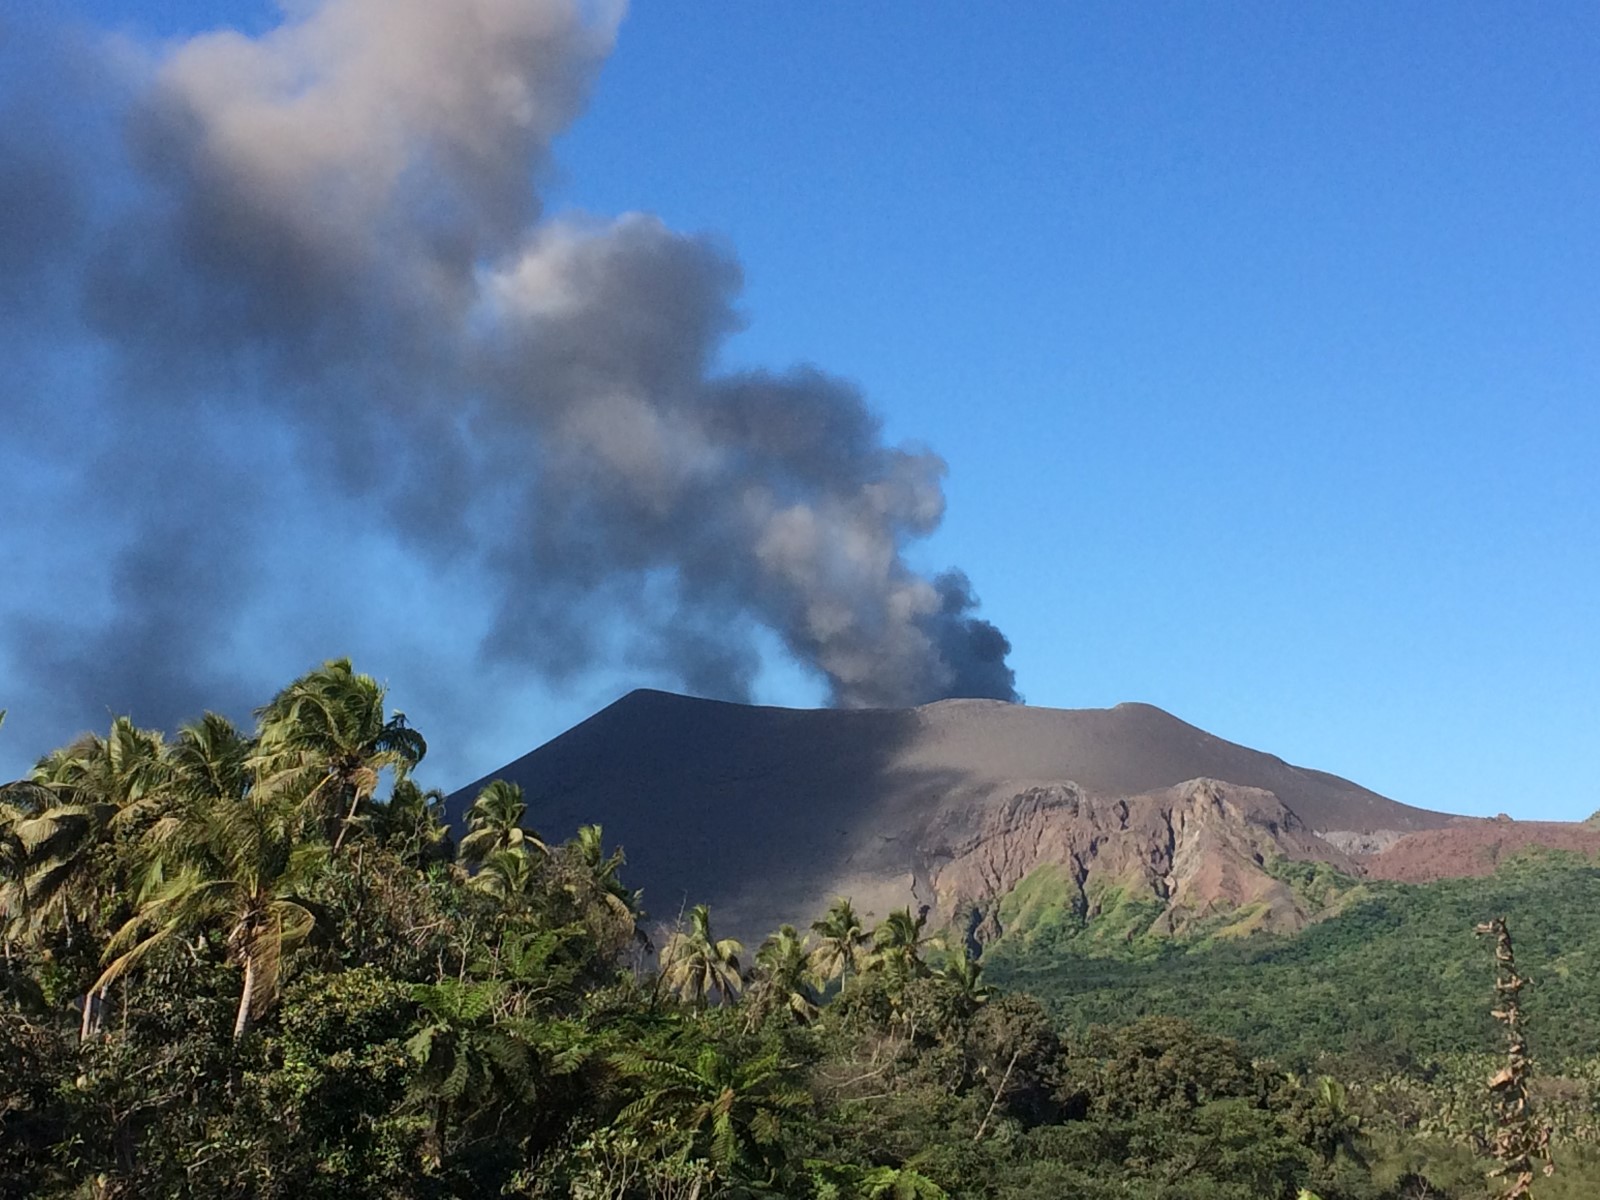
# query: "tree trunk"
{"points": [[86, 1026], [93, 1010], [241, 1024], [355, 803], [998, 1093], [433, 1137]]}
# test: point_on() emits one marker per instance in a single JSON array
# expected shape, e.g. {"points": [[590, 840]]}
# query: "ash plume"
{"points": [[313, 305]]}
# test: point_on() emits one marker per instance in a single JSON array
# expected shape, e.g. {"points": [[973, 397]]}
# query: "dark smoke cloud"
{"points": [[318, 282]]}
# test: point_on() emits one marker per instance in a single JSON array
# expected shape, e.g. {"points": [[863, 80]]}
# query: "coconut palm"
{"points": [[897, 944], [602, 869], [1329, 1123], [842, 945], [77, 801], [413, 822], [781, 979], [13, 865], [588, 874], [494, 823], [211, 758], [12, 855], [19, 800], [965, 975], [51, 865], [128, 769], [12, 809], [80, 800], [507, 875], [695, 964], [228, 865], [324, 742]]}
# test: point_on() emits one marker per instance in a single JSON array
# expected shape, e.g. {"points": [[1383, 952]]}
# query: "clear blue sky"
{"points": [[1262, 343]]}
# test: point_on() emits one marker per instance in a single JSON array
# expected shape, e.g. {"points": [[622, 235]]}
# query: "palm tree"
{"points": [[965, 975], [324, 741], [897, 944], [413, 821], [695, 964], [211, 758], [51, 865], [230, 865], [602, 869], [1330, 1123], [843, 942], [16, 805], [608, 908], [494, 822], [726, 1110], [128, 769], [781, 980], [78, 800], [507, 875], [12, 856]]}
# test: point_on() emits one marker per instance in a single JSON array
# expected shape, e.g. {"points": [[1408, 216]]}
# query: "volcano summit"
{"points": [[768, 813]]}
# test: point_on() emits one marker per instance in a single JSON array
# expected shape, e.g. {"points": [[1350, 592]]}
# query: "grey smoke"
{"points": [[319, 281]]}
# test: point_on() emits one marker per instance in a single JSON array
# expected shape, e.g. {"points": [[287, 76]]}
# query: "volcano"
{"points": [[767, 814]]}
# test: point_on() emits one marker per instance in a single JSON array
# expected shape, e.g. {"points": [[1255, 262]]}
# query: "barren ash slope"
{"points": [[767, 814]]}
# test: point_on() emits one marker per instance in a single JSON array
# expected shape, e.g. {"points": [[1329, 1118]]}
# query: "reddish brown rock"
{"points": [[1200, 848], [1470, 847]]}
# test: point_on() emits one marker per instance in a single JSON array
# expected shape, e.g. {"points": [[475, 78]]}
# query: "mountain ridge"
{"points": [[767, 813]]}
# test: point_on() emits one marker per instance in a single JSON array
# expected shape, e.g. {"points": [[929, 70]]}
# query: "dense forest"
{"points": [[244, 963], [1393, 978]]}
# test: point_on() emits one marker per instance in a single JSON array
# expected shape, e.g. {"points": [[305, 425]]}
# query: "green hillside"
{"points": [[1395, 976]]}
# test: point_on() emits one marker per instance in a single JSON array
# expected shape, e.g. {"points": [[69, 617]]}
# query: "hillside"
{"points": [[768, 813], [1397, 975]]}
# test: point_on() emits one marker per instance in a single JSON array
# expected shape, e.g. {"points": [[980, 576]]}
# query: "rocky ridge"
{"points": [[1198, 850]]}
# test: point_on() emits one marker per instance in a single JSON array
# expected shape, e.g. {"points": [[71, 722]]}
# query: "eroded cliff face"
{"points": [[1195, 851]]}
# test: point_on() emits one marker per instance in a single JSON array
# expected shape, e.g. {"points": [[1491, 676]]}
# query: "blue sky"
{"points": [[1262, 344]]}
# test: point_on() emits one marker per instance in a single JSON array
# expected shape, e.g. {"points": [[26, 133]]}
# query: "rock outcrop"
{"points": [[1198, 850]]}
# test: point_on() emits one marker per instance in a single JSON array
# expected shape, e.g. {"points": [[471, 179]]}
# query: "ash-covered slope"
{"points": [[768, 813]]}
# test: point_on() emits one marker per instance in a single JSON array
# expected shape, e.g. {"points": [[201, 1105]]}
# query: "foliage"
{"points": [[494, 824], [781, 982], [1393, 979], [842, 945], [252, 963], [697, 965]]}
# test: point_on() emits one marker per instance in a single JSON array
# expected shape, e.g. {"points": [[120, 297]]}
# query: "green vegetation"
{"points": [[1394, 976], [1047, 917], [254, 964]]}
